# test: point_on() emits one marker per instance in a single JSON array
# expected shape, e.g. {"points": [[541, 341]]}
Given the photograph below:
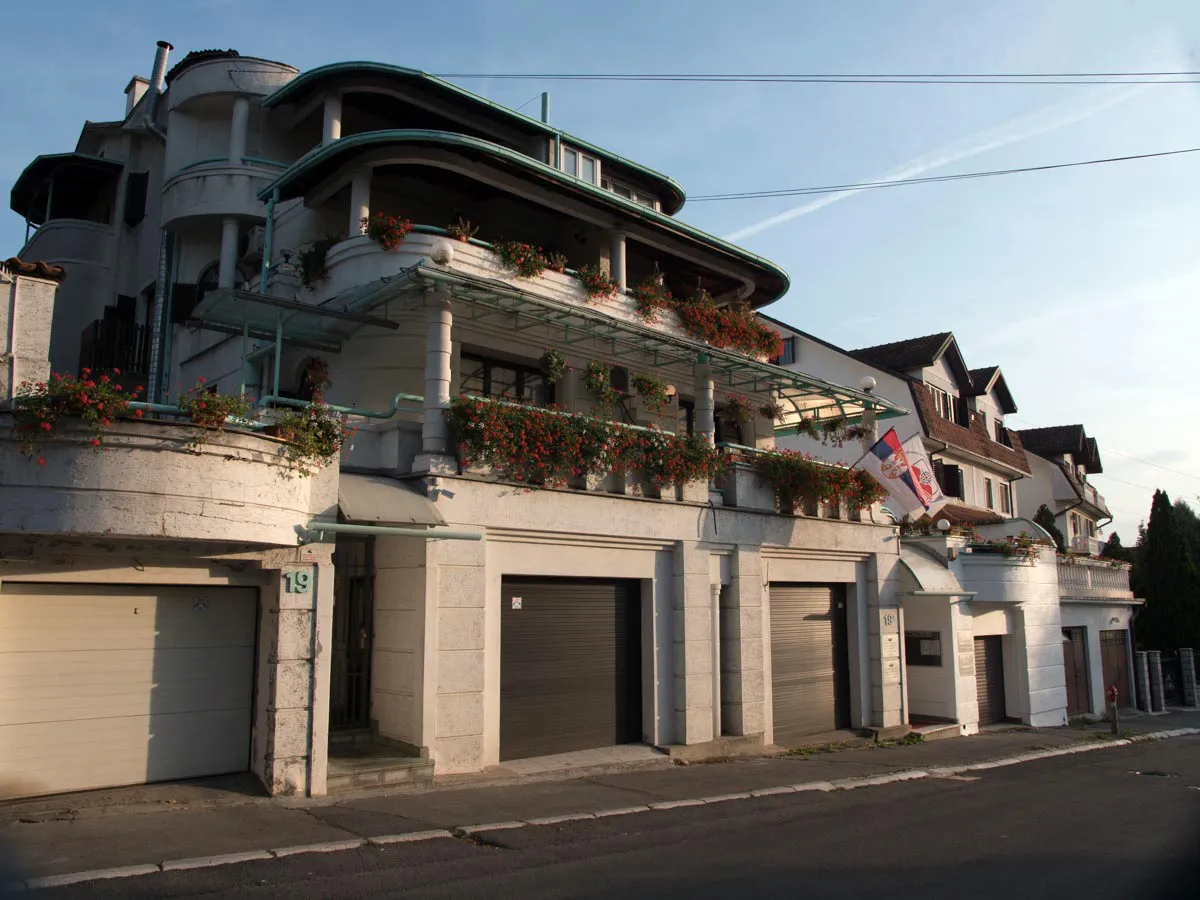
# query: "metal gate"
{"points": [[1075, 667], [1172, 676], [570, 665], [989, 679], [1114, 662], [810, 660], [350, 663]]}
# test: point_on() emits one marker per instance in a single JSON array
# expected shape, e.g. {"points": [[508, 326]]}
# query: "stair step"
{"points": [[937, 732], [383, 773]]}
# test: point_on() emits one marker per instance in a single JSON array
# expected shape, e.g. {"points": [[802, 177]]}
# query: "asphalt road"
{"points": [[1121, 823]]}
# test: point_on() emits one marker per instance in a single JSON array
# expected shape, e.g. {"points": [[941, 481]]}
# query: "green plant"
{"points": [[314, 437], [736, 409], [597, 378], [526, 260], [798, 479], [807, 426], [556, 262], [651, 297], [311, 260], [462, 230], [1023, 546], [772, 410], [317, 373], [1045, 518], [209, 409], [653, 391], [387, 231], [734, 326], [597, 284], [39, 407], [553, 364]]}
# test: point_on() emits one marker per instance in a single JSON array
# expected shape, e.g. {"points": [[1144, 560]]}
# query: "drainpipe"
{"points": [[316, 531], [157, 77]]}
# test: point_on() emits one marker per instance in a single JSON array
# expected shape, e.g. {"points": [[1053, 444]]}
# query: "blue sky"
{"points": [[1081, 284]]}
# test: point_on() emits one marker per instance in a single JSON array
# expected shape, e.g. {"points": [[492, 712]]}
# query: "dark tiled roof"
{"points": [[974, 439], [905, 355], [1056, 440], [980, 379], [39, 269], [958, 514]]}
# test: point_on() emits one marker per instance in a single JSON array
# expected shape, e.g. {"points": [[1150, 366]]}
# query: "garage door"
{"points": [[570, 666], [1114, 660], [104, 685], [1075, 667], [810, 670], [989, 679]]}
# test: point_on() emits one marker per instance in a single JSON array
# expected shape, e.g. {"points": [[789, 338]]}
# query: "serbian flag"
{"points": [[890, 464]]}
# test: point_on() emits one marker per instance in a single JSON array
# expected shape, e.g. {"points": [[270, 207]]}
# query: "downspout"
{"points": [[164, 241]]}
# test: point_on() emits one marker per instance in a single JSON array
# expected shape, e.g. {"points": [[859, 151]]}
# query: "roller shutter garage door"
{"points": [[989, 679], [105, 685], [810, 668], [570, 665]]}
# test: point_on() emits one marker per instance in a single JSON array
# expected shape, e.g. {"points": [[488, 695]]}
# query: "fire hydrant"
{"points": [[1112, 695]]}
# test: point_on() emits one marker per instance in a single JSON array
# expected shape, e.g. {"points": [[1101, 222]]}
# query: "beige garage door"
{"points": [[104, 685]]}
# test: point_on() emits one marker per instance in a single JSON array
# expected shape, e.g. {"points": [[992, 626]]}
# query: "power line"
{"points": [[988, 78], [872, 185], [1146, 462]]}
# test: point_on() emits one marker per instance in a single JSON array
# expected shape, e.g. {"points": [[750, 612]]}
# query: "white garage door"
{"points": [[104, 685]]}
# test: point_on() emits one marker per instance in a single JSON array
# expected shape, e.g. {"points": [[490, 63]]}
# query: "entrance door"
{"points": [[1114, 662], [570, 665], [989, 679], [1075, 666], [350, 662], [810, 660]]}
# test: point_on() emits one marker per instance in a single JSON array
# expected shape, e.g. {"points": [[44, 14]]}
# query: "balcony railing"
{"points": [[109, 344], [1093, 579], [1081, 543]]}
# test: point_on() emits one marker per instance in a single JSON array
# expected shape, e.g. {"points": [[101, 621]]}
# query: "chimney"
{"points": [[134, 91], [157, 77]]}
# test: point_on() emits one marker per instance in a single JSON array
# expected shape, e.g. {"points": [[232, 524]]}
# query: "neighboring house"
{"points": [[1097, 604], [980, 611], [183, 610]]}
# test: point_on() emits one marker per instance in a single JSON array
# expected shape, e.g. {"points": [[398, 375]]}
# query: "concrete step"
{"points": [[937, 732], [347, 775]]}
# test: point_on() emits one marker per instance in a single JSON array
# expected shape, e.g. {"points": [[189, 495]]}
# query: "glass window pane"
{"points": [[473, 377], [645, 201], [622, 190], [570, 159], [504, 383], [587, 170]]}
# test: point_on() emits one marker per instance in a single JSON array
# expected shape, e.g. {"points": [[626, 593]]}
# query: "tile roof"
{"points": [[974, 439], [980, 379], [913, 353], [39, 269], [959, 514], [1056, 440]]}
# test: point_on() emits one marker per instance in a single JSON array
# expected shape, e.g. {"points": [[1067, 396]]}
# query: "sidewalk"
{"points": [[102, 831]]}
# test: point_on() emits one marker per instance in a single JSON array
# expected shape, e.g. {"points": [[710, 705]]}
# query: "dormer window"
{"points": [[629, 193], [948, 407], [581, 165]]}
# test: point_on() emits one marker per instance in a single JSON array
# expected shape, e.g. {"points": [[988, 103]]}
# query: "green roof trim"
{"points": [[297, 86], [27, 187], [294, 175]]}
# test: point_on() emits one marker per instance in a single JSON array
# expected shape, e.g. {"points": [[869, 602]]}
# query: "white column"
{"points": [[360, 201], [872, 430], [438, 322], [716, 659], [238, 128], [227, 267], [331, 127], [705, 423], [617, 260]]}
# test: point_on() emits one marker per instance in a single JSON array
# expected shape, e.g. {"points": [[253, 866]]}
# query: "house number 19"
{"points": [[297, 582]]}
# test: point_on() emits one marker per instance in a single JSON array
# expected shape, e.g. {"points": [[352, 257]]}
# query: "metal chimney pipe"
{"points": [[157, 76]]}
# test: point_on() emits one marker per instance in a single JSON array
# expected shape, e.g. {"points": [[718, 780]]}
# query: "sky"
{"points": [[1082, 284]]}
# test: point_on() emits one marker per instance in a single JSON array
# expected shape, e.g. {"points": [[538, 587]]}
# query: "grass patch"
{"points": [[817, 749], [907, 741]]}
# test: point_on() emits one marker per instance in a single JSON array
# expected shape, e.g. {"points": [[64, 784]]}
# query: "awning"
{"points": [[924, 576], [378, 500], [77, 176]]}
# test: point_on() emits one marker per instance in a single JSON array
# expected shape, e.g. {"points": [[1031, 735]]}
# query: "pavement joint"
{"points": [[470, 833]]}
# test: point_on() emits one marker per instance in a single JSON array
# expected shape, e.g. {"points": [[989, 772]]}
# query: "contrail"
{"points": [[1011, 132]]}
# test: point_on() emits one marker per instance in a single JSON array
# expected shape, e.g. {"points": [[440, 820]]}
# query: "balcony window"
{"points": [[629, 193], [949, 408], [1002, 434], [788, 356], [504, 380], [1006, 499]]}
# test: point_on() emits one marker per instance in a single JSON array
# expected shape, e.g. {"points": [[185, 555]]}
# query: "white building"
{"points": [[187, 610], [980, 602]]}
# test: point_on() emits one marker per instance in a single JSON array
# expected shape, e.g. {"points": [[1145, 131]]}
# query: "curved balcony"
{"points": [[148, 484], [72, 241], [244, 75], [218, 187], [997, 579]]}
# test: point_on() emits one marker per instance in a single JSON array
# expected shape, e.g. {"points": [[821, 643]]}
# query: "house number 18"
{"points": [[297, 582]]}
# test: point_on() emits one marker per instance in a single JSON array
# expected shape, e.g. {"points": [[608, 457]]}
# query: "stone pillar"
{"points": [[26, 314], [743, 697], [331, 126], [227, 264], [1154, 666], [1141, 670], [438, 347], [360, 201], [1187, 662], [717, 589], [617, 260], [239, 126], [705, 424], [693, 672], [872, 429], [887, 701], [291, 741]]}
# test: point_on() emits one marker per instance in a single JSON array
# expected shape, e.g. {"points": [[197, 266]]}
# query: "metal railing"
{"points": [[1098, 579], [108, 344]]}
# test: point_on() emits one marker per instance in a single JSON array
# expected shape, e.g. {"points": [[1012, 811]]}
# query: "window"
{"points": [[988, 493], [584, 167], [949, 408], [949, 479], [1002, 434], [1006, 499], [503, 380], [629, 193], [923, 648], [1091, 528], [788, 356]]}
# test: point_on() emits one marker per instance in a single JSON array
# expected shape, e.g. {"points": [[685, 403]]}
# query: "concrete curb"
{"points": [[844, 784]]}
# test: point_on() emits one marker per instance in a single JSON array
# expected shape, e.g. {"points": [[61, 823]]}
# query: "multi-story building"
{"points": [[338, 233], [979, 594]]}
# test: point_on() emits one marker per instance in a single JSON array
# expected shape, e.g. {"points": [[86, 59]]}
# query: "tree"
{"points": [[1167, 578], [1114, 549], [1189, 524], [1045, 518]]}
